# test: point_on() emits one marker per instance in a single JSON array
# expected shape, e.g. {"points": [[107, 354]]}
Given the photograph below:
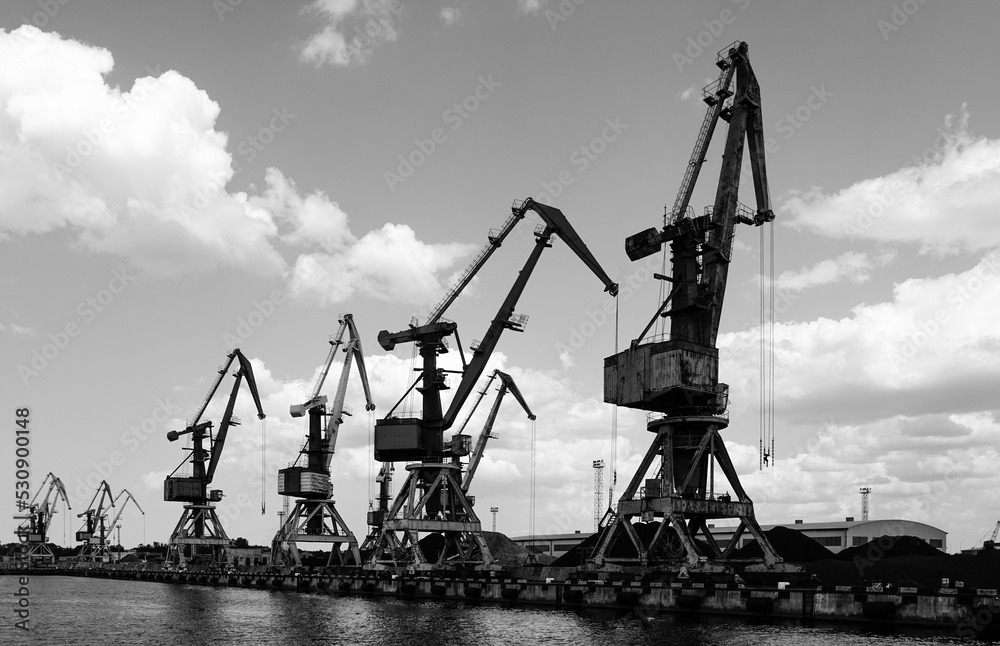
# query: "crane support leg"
{"points": [[315, 521], [198, 538]]}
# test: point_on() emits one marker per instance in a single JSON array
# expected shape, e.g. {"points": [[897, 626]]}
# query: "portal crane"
{"points": [[315, 518], [677, 378], [506, 385], [992, 543], [128, 496], [199, 533], [95, 531], [33, 530], [432, 499]]}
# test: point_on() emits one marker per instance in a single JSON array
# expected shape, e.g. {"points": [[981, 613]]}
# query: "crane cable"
{"points": [[531, 489], [263, 465], [614, 427], [766, 357]]}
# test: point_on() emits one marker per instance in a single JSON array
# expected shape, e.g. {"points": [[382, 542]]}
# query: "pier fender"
{"points": [[344, 586], [303, 583], [879, 609], [408, 589], [368, 587], [321, 584], [438, 590], [510, 593], [627, 598], [760, 604], [262, 582], [573, 596], [688, 601], [203, 579], [277, 583], [472, 592]]}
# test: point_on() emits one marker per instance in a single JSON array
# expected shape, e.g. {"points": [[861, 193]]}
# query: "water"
{"points": [[70, 611]]}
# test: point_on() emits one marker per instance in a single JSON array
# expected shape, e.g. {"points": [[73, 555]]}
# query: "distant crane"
{"points": [[432, 499], [494, 510], [314, 518], [32, 531], [199, 534], [865, 492], [128, 497], [96, 530], [676, 378], [991, 544], [506, 385]]}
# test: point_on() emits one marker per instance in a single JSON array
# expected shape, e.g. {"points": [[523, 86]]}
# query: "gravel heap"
{"points": [[888, 547], [791, 545]]}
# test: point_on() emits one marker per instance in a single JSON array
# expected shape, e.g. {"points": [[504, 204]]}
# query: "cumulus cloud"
{"points": [[352, 30], [851, 265], [450, 15], [945, 201], [142, 174], [17, 330], [531, 6], [932, 349]]}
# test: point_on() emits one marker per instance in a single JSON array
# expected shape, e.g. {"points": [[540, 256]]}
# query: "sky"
{"points": [[178, 179]]}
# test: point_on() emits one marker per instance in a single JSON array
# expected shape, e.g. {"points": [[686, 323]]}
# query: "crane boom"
{"points": [[298, 410], [128, 496], [496, 238], [555, 224], [506, 384], [336, 417]]}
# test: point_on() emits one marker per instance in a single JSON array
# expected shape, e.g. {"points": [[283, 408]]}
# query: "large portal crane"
{"points": [[432, 499], [677, 378], [33, 530], [199, 533], [96, 530], [315, 518]]}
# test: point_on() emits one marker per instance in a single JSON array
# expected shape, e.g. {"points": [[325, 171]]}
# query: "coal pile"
{"points": [[623, 547], [888, 547], [791, 545], [505, 551]]}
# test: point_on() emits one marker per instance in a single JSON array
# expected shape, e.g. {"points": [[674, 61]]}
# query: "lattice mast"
{"points": [[598, 492], [676, 379], [865, 492]]}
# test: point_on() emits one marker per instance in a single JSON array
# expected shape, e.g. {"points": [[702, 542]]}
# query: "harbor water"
{"points": [[74, 611]]}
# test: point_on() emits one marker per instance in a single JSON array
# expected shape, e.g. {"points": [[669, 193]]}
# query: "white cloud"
{"points": [[352, 31], [932, 349], [450, 15], [531, 6], [853, 266], [142, 174], [139, 173], [945, 202], [17, 330]]}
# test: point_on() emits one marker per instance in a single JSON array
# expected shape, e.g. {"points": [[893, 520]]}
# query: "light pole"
{"points": [[494, 510]]}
